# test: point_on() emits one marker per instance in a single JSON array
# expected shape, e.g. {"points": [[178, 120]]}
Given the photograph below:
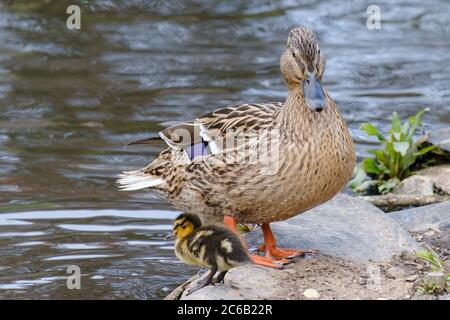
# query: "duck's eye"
{"points": [[184, 227], [293, 54]]}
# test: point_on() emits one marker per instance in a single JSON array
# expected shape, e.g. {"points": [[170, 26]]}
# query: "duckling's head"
{"points": [[185, 224], [302, 65]]}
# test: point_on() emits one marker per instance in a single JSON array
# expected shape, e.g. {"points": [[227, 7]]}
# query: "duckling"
{"points": [[214, 247]]}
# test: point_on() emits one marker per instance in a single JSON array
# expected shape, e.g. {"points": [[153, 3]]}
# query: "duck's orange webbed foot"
{"points": [[267, 261], [271, 249], [282, 253]]}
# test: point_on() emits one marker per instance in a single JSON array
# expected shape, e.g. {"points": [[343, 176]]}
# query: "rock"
{"points": [[440, 137], [245, 282], [415, 185], [425, 182], [343, 227], [439, 176], [362, 281], [311, 294], [429, 233], [434, 216], [396, 273], [411, 278]]}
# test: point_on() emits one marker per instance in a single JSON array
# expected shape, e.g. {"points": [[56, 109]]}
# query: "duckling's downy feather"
{"points": [[212, 247]]}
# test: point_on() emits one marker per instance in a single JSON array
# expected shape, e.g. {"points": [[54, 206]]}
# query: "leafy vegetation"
{"points": [[436, 265], [394, 160]]}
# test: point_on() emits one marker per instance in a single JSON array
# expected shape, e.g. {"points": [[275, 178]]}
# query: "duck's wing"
{"points": [[205, 131], [188, 141], [242, 117]]}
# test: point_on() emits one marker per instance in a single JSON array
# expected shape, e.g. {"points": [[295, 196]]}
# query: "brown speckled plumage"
{"points": [[316, 153]]}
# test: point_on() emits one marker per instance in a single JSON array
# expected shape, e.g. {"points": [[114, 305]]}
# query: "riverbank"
{"points": [[364, 253]]}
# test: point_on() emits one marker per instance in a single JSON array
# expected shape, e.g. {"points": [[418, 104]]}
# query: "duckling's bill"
{"points": [[170, 236]]}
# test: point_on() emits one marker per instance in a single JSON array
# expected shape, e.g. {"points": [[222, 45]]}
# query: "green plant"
{"points": [[427, 288], [436, 265], [392, 162]]}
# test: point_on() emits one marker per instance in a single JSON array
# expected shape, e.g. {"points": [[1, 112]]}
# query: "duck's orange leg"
{"points": [[231, 223], [270, 246]]}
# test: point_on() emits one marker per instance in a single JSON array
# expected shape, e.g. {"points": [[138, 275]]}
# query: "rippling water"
{"points": [[70, 100]]}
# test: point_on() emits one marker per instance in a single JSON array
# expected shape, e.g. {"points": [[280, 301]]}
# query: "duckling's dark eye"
{"points": [[293, 54], [184, 227]]}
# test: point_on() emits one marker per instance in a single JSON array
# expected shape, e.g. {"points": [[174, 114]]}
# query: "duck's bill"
{"points": [[170, 236], [313, 91]]}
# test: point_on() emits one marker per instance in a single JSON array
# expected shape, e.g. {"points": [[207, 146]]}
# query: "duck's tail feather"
{"points": [[137, 179], [150, 141]]}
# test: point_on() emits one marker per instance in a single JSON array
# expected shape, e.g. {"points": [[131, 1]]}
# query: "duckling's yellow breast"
{"points": [[185, 254]]}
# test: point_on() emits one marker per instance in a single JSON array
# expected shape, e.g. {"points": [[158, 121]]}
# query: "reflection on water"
{"points": [[70, 100], [122, 254]]}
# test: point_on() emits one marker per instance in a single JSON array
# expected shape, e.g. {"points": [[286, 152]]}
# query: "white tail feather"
{"points": [[135, 180]]}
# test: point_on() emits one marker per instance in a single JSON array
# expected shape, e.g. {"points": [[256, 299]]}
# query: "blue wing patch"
{"points": [[197, 150]]}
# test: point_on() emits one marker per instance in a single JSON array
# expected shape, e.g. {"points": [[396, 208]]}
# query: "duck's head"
{"points": [[302, 65], [184, 225]]}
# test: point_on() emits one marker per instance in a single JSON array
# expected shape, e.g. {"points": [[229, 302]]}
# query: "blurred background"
{"points": [[70, 100]]}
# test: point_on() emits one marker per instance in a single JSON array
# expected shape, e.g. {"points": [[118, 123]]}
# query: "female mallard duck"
{"points": [[210, 246], [311, 154]]}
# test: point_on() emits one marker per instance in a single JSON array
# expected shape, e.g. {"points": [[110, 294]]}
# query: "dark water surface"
{"points": [[70, 100]]}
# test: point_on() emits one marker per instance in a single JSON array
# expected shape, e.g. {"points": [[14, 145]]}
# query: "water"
{"points": [[71, 100]]}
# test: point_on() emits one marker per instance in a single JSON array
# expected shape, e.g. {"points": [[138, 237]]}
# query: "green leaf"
{"points": [[401, 147], [433, 258], [408, 159], [370, 166], [387, 186], [390, 150], [396, 125], [371, 130], [365, 185], [380, 156], [405, 128], [397, 136], [424, 150], [414, 121], [359, 175]]}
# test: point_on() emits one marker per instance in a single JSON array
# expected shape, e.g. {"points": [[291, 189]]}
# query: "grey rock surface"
{"points": [[248, 282], [439, 176], [343, 227], [434, 216], [425, 181], [441, 137], [415, 184]]}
